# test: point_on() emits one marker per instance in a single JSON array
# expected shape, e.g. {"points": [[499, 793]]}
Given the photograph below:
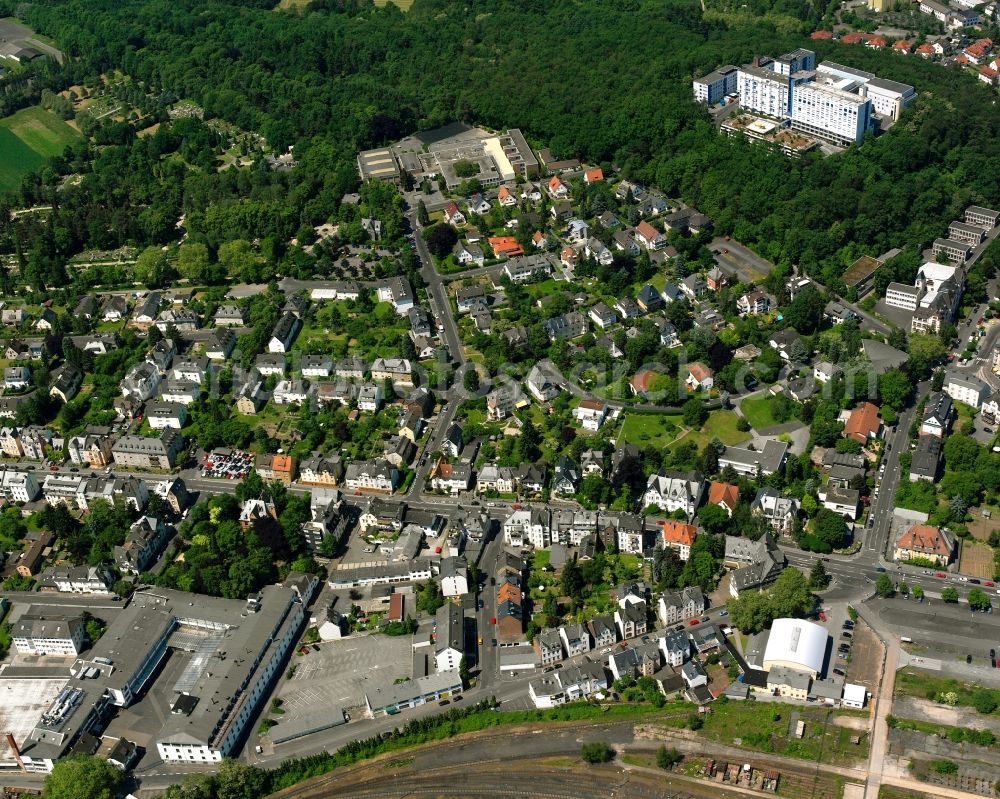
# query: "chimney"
{"points": [[17, 752], [756, 60]]}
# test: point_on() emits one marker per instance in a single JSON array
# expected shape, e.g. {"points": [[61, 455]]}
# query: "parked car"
{"points": [[845, 635]]}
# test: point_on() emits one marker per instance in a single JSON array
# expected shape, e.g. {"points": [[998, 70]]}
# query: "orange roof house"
{"points": [[505, 246], [568, 257], [699, 377], [902, 46], [508, 592], [594, 175], [725, 495], [863, 423], [925, 50], [854, 37], [557, 188], [820, 35], [924, 541], [640, 382], [506, 196], [678, 536], [283, 468], [876, 42]]}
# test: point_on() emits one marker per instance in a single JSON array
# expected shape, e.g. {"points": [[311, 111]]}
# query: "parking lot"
{"points": [[339, 674], [229, 464], [867, 656]]}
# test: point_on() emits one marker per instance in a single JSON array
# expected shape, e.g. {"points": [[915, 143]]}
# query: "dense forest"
{"points": [[608, 82]]}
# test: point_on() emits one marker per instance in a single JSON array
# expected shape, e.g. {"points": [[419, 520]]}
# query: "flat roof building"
{"points": [[378, 164]]}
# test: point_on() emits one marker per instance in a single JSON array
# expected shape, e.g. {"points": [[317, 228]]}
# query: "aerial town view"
{"points": [[499, 399]]}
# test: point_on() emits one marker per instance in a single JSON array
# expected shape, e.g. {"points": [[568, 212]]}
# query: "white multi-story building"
{"points": [[672, 491], [966, 388], [830, 101], [764, 91], [831, 112], [38, 633], [19, 486], [529, 526], [888, 97]]}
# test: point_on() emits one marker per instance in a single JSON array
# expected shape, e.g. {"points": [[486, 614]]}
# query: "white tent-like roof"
{"points": [[797, 644]]}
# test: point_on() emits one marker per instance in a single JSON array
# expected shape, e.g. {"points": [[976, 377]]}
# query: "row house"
{"points": [[143, 545], [679, 606], [149, 453], [371, 475], [671, 491], [92, 448], [220, 344], [321, 470]]}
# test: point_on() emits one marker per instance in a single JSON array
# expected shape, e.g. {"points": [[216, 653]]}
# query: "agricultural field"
{"points": [[27, 139]]}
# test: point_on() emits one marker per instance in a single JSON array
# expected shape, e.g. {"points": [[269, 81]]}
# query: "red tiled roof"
{"points": [[281, 463], [853, 38], [555, 183], [924, 538], [509, 591], [646, 230], [817, 35], [640, 382], [593, 175], [962, 59], [505, 245], [723, 494], [925, 48], [876, 41], [902, 44], [989, 73], [863, 423], [699, 371], [675, 532]]}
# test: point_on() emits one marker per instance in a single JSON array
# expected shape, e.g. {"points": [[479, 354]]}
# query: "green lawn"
{"points": [[757, 411], [659, 430], [16, 160], [722, 425], [41, 130], [27, 139]]}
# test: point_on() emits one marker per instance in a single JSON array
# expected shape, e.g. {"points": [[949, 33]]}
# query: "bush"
{"points": [[695, 722], [944, 766], [984, 702], [596, 752], [668, 758]]}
